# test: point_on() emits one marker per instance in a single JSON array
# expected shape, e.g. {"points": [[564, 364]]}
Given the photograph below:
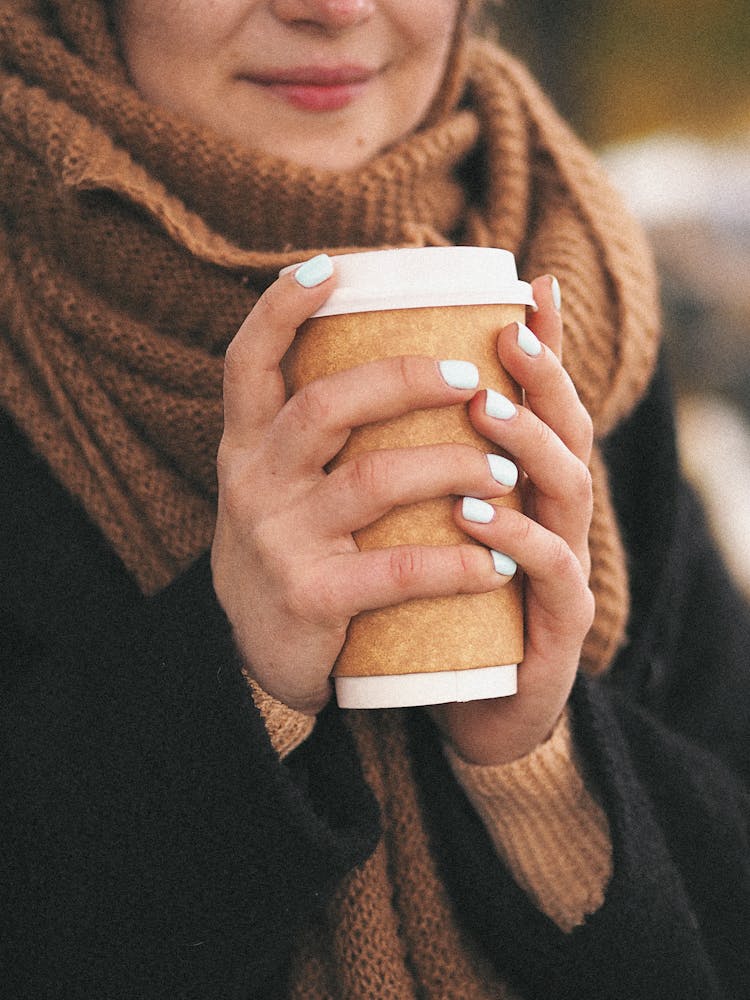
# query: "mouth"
{"points": [[315, 88]]}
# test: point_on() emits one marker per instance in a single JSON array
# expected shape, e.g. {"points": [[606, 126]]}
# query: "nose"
{"points": [[330, 15]]}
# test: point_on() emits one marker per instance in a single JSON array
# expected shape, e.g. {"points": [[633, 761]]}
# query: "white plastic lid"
{"points": [[411, 278], [437, 688]]}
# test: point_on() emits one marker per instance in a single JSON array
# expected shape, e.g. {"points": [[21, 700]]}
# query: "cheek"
{"points": [[432, 30], [431, 25], [155, 31], [430, 40], [165, 44]]}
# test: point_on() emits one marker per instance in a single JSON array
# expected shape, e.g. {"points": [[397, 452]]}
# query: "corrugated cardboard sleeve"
{"points": [[447, 633]]}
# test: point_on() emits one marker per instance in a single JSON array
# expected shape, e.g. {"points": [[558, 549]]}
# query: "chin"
{"points": [[316, 152], [330, 160]]}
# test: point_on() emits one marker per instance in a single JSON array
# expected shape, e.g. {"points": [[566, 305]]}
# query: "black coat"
{"points": [[153, 846]]}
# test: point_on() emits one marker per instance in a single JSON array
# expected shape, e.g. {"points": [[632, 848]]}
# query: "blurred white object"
{"points": [[672, 178], [693, 197], [714, 440]]}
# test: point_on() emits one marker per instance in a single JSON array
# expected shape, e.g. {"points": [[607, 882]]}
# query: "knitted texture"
{"points": [[391, 932], [286, 727], [133, 245], [544, 822]]}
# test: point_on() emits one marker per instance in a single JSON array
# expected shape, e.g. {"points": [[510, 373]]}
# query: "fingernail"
{"points": [[477, 510], [498, 406], [503, 470], [504, 565], [459, 374], [554, 287], [314, 271], [528, 342]]}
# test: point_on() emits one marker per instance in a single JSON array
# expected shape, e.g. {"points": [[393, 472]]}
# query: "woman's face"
{"points": [[325, 83]]}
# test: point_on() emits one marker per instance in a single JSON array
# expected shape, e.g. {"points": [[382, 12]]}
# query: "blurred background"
{"points": [[661, 90]]}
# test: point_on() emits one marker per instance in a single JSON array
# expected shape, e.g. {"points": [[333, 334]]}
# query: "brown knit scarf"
{"points": [[133, 245]]}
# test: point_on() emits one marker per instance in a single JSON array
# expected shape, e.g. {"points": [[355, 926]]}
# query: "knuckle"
{"points": [[301, 599], [224, 461], [587, 429], [407, 371], [582, 612], [561, 560], [469, 568], [261, 547], [269, 305], [232, 487], [583, 438], [238, 477], [235, 360], [465, 557], [233, 500], [313, 405], [406, 566], [583, 485], [330, 608], [588, 609], [369, 475], [265, 541], [522, 529], [309, 593], [553, 379], [541, 435]]}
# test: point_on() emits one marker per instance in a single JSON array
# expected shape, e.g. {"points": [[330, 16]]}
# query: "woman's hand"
{"points": [[286, 568], [551, 439]]}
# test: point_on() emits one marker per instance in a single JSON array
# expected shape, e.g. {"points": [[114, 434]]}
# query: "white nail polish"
{"points": [[460, 374], [314, 271], [504, 565], [528, 342], [477, 511], [503, 470], [497, 406], [556, 293]]}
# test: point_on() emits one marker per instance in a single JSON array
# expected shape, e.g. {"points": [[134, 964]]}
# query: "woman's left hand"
{"points": [[551, 438]]}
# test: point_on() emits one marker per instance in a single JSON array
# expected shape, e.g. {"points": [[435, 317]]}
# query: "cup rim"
{"points": [[422, 277]]}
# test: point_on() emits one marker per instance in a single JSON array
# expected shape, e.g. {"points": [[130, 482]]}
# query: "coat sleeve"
{"points": [[664, 744], [153, 843]]}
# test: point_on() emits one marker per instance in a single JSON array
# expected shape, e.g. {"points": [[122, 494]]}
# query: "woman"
{"points": [[186, 811]]}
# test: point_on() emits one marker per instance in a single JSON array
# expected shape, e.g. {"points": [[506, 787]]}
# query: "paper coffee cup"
{"points": [[448, 303]]}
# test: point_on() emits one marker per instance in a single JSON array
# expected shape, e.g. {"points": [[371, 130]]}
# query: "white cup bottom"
{"points": [[405, 690]]}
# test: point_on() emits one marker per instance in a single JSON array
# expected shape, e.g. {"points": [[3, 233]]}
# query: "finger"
{"points": [[369, 485], [319, 417], [253, 385], [378, 578], [550, 566], [563, 498], [546, 323], [549, 390]]}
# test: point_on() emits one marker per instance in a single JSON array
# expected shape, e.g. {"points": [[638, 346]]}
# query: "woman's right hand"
{"points": [[286, 568]]}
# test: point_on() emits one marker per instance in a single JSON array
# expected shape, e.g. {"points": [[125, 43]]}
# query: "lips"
{"points": [[315, 88]]}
